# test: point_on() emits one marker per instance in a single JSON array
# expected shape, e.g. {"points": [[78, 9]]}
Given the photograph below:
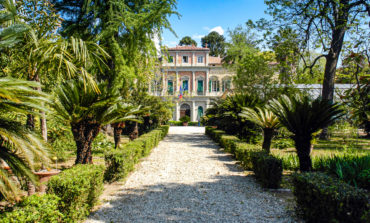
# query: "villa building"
{"points": [[192, 79]]}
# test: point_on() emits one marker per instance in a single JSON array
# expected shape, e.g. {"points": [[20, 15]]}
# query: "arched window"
{"points": [[214, 84], [226, 83], [200, 112]]}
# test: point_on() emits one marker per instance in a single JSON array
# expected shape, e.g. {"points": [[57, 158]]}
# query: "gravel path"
{"points": [[187, 179]]}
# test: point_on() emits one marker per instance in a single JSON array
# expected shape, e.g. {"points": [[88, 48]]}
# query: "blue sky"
{"points": [[199, 17]]}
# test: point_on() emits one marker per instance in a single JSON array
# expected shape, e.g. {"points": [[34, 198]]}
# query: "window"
{"points": [[185, 59], [226, 84], [214, 85], [170, 87], [200, 59], [170, 59], [185, 85], [200, 86]]}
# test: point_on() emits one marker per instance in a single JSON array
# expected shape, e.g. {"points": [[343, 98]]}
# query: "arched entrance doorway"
{"points": [[185, 110], [200, 112]]}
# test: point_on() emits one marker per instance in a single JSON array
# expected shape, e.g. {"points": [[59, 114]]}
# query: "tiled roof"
{"points": [[187, 48], [215, 60]]}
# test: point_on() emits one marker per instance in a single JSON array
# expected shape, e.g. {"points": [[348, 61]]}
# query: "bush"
{"points": [[79, 189], [216, 135], [243, 152], [268, 169], [185, 119], [120, 162], [165, 129], [226, 141], [321, 198], [36, 208], [175, 123]]}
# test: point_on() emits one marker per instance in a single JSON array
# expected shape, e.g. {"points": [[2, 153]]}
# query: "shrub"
{"points": [[165, 129], [226, 141], [268, 169], [243, 152], [35, 209], [216, 135], [321, 198], [185, 119], [120, 162], [175, 123], [79, 189]]}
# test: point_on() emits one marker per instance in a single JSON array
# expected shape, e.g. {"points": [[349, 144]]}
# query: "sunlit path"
{"points": [[187, 179]]}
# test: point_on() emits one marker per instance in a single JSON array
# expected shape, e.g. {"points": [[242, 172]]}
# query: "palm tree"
{"points": [[19, 147], [303, 117], [86, 111], [265, 119], [126, 112]]}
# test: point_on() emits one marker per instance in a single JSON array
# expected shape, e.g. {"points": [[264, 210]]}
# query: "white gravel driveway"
{"points": [[187, 179]]}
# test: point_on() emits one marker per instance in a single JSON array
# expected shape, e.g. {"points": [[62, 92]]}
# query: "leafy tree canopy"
{"points": [[215, 42], [187, 41]]}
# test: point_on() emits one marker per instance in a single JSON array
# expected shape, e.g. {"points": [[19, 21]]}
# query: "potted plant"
{"points": [[185, 120]]}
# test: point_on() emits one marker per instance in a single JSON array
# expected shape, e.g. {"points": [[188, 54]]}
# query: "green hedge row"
{"points": [[268, 169], [35, 208], [79, 189], [322, 198], [179, 123], [120, 162]]}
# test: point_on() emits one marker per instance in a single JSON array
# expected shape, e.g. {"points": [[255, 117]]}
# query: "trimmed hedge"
{"points": [[268, 169], [35, 209], [78, 189], [179, 123], [322, 198], [120, 162]]}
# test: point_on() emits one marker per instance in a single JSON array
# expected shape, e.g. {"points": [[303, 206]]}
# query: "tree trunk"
{"points": [[332, 58], [43, 126], [135, 132], [118, 128], [267, 136], [303, 147], [30, 123], [84, 134]]}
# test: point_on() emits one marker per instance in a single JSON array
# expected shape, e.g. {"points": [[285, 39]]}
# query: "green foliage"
{"points": [[227, 141], [244, 152], [20, 148], [215, 42], [224, 114], [321, 198], [121, 161], [283, 144], [268, 169], [185, 119], [303, 117], [79, 189], [187, 41], [35, 209], [352, 169]]}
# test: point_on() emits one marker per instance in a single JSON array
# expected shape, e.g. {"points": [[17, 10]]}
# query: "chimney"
{"points": [[206, 45]]}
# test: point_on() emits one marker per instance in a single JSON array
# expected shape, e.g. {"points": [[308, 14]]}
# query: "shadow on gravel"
{"points": [[227, 199]]}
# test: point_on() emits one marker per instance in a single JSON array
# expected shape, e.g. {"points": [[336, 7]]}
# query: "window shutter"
{"points": [[210, 86], [218, 86]]}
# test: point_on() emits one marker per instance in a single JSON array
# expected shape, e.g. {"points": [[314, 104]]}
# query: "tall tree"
{"points": [[215, 42], [187, 41], [323, 24]]}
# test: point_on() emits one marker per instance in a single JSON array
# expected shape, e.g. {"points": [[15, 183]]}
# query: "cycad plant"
{"points": [[265, 119], [126, 112], [303, 116], [19, 147], [86, 111]]}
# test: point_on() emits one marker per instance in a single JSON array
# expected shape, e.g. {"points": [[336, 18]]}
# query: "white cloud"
{"points": [[218, 29], [197, 36], [206, 28]]}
